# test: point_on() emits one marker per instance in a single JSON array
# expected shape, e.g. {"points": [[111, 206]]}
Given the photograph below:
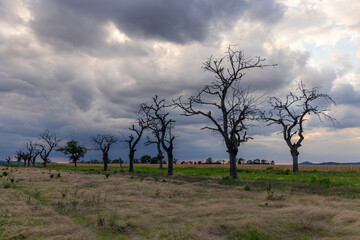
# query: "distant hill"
{"points": [[329, 163]]}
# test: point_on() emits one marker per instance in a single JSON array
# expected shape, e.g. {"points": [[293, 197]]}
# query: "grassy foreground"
{"points": [[59, 203]]}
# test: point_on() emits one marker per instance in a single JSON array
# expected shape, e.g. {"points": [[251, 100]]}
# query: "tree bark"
{"points": [[105, 160], [75, 163], [295, 156], [233, 169], [131, 162], [170, 163], [45, 162]]}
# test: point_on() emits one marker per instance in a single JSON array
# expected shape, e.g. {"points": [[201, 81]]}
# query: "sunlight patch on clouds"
{"points": [[115, 35]]}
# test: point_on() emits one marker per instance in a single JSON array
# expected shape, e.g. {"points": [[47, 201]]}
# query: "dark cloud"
{"points": [[82, 23]]}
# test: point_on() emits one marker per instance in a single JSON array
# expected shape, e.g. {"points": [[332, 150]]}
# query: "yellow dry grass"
{"points": [[123, 206]]}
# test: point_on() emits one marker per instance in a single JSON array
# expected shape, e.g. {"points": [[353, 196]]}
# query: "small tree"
{"points": [[224, 102], [48, 144], [209, 161], [103, 142], [133, 140], [161, 125], [145, 159], [8, 159], [292, 113], [74, 150], [21, 156], [32, 151]]}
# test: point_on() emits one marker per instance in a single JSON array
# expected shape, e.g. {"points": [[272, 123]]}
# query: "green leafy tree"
{"points": [[145, 159], [74, 150]]}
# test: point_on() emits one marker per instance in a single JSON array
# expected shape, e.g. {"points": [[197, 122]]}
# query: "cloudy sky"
{"points": [[80, 68]]}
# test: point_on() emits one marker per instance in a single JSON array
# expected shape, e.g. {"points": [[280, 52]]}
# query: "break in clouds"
{"points": [[80, 68]]}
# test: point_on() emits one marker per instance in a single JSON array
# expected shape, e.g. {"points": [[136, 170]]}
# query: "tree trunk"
{"points": [[45, 161], [170, 163], [131, 161], [75, 163], [233, 169], [105, 160], [24, 163], [160, 155], [295, 156], [28, 163]]}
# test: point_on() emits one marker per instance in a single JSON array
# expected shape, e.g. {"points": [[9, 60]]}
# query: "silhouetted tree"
{"points": [[74, 150], [160, 123], [227, 105], [103, 142], [145, 159], [48, 143], [133, 140], [32, 151], [8, 159], [21, 156], [292, 112]]}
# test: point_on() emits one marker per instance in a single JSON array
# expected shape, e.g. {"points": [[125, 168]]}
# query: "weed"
{"points": [[6, 185], [107, 175], [100, 221], [247, 187], [52, 175]]}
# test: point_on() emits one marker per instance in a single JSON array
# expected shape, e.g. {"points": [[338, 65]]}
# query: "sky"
{"points": [[81, 68]]}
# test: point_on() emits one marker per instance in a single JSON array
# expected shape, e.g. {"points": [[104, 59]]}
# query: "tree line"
{"points": [[230, 108]]}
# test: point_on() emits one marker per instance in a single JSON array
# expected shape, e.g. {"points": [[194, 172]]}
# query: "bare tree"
{"points": [[48, 144], [145, 112], [103, 142], [32, 151], [21, 156], [8, 159], [160, 155], [161, 126], [292, 113], [133, 140], [227, 105]]}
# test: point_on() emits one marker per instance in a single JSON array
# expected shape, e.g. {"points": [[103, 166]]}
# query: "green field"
{"points": [[343, 183]]}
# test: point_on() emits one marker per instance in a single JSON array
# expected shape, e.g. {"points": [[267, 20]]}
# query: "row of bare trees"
{"points": [[229, 107]]}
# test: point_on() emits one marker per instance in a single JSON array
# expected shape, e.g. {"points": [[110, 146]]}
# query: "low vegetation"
{"points": [[63, 202]]}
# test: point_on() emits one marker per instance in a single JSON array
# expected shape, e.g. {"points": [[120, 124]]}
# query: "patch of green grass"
{"points": [[327, 182]]}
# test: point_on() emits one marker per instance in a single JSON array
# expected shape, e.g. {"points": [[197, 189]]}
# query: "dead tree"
{"points": [[145, 112], [32, 151], [48, 144], [8, 159], [227, 105], [160, 155], [292, 113], [161, 125], [103, 142], [21, 156], [133, 140]]}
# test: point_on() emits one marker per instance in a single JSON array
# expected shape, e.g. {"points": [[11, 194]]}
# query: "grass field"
{"points": [[62, 202]]}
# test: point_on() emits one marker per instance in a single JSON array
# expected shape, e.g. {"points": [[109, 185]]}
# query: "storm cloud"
{"points": [[80, 68]]}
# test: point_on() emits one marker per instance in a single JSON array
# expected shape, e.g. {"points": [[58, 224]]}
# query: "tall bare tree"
{"points": [[48, 143], [32, 151], [161, 125], [104, 142], [133, 140], [227, 104], [292, 112]]}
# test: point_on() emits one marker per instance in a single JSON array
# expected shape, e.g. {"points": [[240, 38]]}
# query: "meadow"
{"points": [[198, 202]]}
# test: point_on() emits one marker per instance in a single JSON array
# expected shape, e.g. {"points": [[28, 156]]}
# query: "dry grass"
{"points": [[123, 206]]}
